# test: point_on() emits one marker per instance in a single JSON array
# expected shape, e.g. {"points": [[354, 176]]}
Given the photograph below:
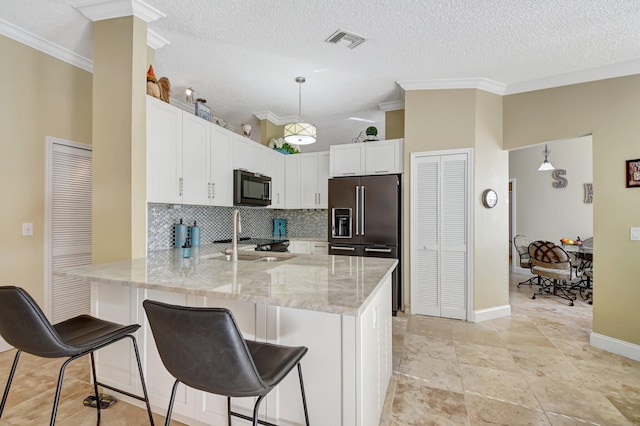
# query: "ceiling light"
{"points": [[300, 133], [546, 165], [361, 119]]}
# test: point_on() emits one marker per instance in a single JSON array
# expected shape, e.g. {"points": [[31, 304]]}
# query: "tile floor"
{"points": [[533, 368]]}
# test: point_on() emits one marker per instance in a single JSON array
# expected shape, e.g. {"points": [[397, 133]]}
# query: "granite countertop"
{"points": [[326, 283]]}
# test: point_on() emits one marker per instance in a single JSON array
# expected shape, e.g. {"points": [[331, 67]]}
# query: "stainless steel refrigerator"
{"points": [[365, 220]]}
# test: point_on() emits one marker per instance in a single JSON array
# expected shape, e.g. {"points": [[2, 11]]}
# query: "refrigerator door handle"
{"points": [[378, 250], [358, 210], [343, 248], [363, 212]]}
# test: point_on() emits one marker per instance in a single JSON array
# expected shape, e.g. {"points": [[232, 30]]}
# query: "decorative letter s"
{"points": [[559, 181]]}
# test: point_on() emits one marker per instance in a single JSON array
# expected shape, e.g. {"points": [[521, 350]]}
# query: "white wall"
{"points": [[542, 211]]}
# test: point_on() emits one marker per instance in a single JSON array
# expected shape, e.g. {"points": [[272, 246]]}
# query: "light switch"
{"points": [[635, 234], [27, 229]]}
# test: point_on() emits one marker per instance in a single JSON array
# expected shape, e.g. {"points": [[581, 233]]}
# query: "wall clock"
{"points": [[489, 198]]}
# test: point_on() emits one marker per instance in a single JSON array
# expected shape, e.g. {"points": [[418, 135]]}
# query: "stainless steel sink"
{"points": [[256, 257]]}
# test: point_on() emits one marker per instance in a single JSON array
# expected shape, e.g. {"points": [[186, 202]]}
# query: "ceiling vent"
{"points": [[354, 40]]}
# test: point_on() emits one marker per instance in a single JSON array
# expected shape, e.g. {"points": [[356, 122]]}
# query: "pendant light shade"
{"points": [[300, 133], [546, 165]]}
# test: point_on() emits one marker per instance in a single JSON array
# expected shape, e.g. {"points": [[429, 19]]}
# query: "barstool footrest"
{"points": [[250, 419], [129, 394]]}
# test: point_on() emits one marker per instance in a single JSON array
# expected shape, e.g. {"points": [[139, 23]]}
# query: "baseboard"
{"points": [[616, 346], [491, 313]]}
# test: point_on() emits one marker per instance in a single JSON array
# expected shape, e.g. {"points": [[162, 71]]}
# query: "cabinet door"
{"points": [[309, 181], [319, 247], [300, 247], [221, 171], [323, 180], [196, 134], [292, 181], [383, 157], [275, 169], [347, 160], [248, 155], [164, 152]]}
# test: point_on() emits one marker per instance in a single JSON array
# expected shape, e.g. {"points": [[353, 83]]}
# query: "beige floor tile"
{"points": [[507, 386], [485, 356], [573, 399], [516, 325], [416, 403], [487, 411], [530, 343], [628, 405], [552, 365]]}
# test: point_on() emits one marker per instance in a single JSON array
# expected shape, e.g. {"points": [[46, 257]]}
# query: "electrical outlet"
{"points": [[27, 229], [635, 234]]}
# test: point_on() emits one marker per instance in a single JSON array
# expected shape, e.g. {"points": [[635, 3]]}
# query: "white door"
{"points": [[440, 225], [68, 227]]}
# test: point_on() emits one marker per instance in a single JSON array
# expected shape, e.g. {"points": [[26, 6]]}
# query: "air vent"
{"points": [[354, 40]]}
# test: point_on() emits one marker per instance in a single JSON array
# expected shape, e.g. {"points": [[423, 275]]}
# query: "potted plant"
{"points": [[283, 147], [372, 133]]}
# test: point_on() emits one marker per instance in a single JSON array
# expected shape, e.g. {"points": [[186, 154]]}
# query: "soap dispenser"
{"points": [[194, 234], [179, 234], [186, 249]]}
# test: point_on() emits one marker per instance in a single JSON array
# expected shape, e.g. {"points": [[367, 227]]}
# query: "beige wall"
{"points": [[394, 124], [268, 131], [609, 110], [119, 139], [454, 119], [41, 96]]}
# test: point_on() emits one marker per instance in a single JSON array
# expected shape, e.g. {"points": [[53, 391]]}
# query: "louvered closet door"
{"points": [[439, 218], [71, 181]]}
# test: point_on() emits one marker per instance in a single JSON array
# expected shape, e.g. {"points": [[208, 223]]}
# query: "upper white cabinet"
{"points": [[164, 152], [292, 181], [368, 158], [314, 177], [220, 187], [196, 135], [275, 169], [249, 155]]}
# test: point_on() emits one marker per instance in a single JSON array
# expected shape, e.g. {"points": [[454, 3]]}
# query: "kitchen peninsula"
{"points": [[337, 306]]}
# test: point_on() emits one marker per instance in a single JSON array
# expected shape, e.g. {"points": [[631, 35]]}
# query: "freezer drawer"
{"points": [[345, 250]]}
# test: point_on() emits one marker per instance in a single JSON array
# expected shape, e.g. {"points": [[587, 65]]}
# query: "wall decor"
{"points": [[633, 173], [558, 180], [588, 193], [203, 111]]}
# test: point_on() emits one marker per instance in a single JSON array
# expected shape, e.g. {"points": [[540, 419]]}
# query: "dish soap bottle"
{"points": [[194, 234], [179, 234], [186, 249]]}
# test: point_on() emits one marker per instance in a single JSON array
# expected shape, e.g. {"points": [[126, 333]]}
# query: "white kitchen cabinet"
{"points": [[220, 157], [292, 181], [347, 159], [367, 158], [196, 135], [276, 170], [308, 246], [319, 247], [314, 176], [164, 152], [384, 157], [248, 155]]}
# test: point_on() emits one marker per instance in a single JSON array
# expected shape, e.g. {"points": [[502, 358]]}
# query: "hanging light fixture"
{"points": [[300, 133], [546, 165]]}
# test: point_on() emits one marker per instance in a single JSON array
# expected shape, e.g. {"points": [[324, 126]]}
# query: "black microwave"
{"points": [[251, 189]]}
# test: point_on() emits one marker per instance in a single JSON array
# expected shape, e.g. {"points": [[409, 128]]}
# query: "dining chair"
{"points": [[24, 326], [521, 244], [204, 349], [552, 262]]}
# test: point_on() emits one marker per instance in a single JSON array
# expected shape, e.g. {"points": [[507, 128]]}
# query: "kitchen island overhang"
{"points": [[338, 306]]}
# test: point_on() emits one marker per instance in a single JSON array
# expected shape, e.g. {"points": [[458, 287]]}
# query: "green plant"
{"points": [[371, 131]]}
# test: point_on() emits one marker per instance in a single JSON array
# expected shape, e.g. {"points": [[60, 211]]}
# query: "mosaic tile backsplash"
{"points": [[215, 222]]}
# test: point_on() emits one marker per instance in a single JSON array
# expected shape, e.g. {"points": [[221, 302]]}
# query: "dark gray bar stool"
{"points": [[24, 326], [204, 349]]}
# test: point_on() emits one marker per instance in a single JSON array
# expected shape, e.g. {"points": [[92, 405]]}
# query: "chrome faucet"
{"points": [[237, 229]]}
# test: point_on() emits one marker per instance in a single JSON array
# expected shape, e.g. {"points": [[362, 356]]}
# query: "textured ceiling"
{"points": [[243, 55]]}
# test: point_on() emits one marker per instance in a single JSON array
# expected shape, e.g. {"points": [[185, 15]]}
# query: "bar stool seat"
{"points": [[204, 349], [24, 326]]}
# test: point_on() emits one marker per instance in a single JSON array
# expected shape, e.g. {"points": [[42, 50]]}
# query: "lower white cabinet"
{"points": [[346, 370], [308, 246]]}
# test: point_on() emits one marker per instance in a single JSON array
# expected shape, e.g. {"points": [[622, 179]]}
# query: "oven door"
{"points": [[251, 189]]}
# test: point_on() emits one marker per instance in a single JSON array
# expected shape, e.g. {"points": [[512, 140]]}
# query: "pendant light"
{"points": [[300, 133], [546, 165]]}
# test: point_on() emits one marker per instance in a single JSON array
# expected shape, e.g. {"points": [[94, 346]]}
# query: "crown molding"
{"points": [[155, 40], [620, 69], [98, 10], [391, 106], [25, 37], [455, 83], [268, 115]]}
